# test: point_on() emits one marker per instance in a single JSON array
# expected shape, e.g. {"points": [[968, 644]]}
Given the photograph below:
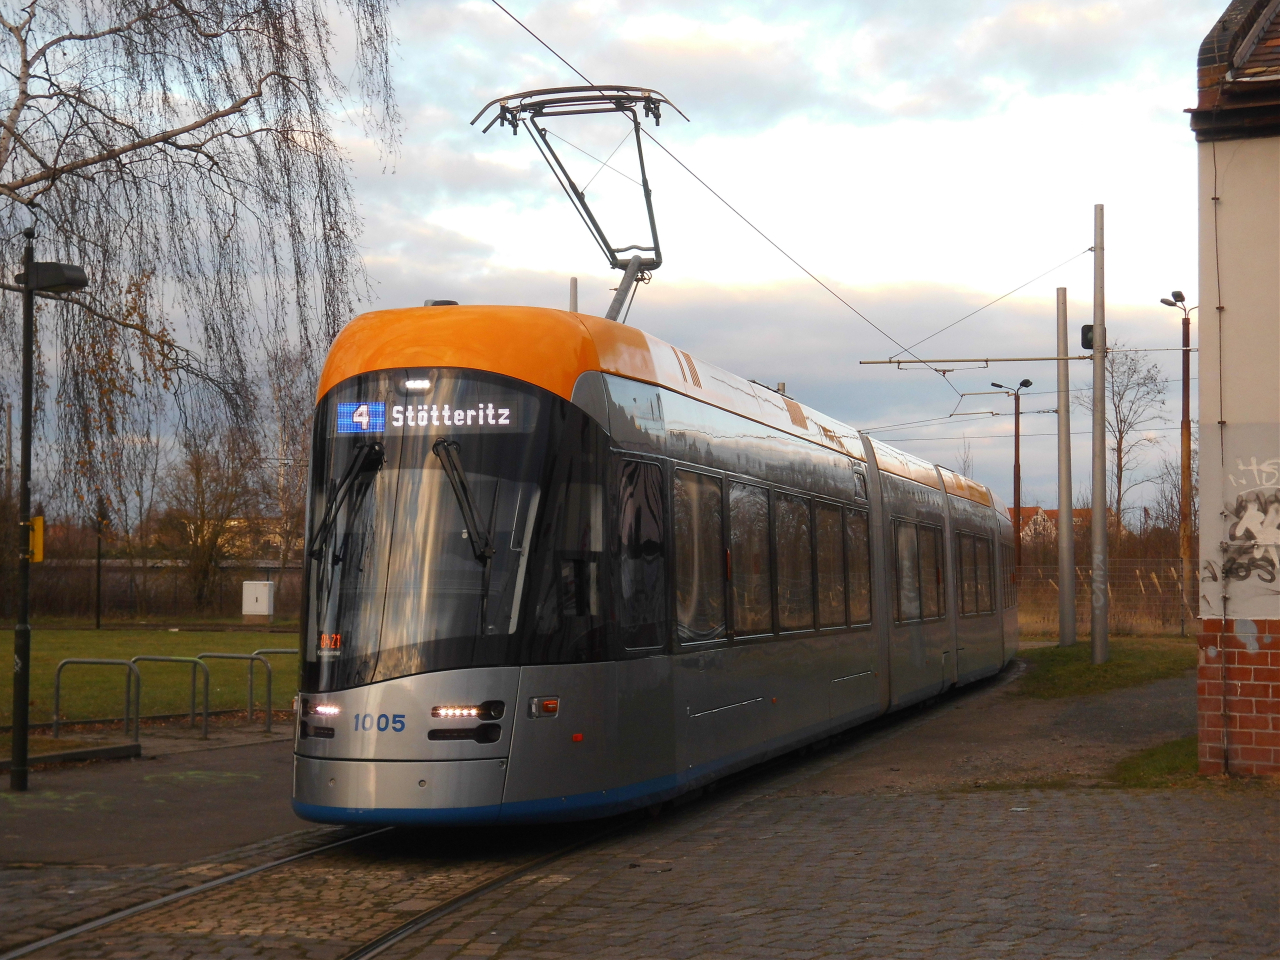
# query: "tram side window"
{"points": [[1009, 575], [699, 557], [908, 564], [642, 566], [976, 575], [919, 564], [858, 552], [986, 576], [968, 574], [793, 544], [831, 585], [932, 597], [749, 559]]}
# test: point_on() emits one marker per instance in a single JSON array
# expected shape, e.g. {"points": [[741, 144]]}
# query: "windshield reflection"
{"points": [[393, 582]]}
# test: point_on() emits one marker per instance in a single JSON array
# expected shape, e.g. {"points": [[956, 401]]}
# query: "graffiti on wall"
{"points": [[1252, 546]]}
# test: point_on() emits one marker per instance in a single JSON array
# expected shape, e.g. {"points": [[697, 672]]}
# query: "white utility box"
{"points": [[259, 601]]}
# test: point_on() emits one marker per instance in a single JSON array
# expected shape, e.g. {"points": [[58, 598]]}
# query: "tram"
{"points": [[557, 568]]}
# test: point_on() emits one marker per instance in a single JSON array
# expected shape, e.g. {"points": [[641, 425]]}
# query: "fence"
{"points": [[1145, 597], [65, 588]]}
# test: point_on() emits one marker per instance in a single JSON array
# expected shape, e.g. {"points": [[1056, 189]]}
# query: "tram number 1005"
{"points": [[366, 722]]}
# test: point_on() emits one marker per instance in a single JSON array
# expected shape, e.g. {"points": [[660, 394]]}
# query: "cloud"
{"points": [[749, 65]]}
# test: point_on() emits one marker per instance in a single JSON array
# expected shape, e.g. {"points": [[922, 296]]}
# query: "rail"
{"points": [[129, 690], [204, 733], [251, 657]]}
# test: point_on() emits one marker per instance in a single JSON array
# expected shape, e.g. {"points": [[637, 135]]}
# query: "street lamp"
{"points": [[1179, 302], [1016, 393], [46, 278]]}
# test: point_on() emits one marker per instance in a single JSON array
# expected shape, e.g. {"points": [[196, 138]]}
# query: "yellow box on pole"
{"points": [[37, 539]]}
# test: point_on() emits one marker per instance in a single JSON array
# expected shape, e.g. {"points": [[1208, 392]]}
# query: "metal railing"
{"points": [[252, 658], [274, 650], [133, 693], [194, 662], [130, 692]]}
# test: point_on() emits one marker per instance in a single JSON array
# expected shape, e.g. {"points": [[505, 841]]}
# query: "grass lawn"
{"points": [[1170, 764], [92, 692], [1069, 672]]}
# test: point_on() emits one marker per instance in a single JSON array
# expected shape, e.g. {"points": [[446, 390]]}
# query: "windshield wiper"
{"points": [[481, 541], [365, 457]]}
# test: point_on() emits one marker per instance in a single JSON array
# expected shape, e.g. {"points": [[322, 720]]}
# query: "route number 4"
{"points": [[361, 416]]}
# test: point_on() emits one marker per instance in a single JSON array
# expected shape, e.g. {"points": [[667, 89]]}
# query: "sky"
{"points": [[921, 158]]}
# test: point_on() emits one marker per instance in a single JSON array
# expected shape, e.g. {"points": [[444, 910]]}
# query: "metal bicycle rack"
{"points": [[251, 657], [130, 691], [194, 662]]}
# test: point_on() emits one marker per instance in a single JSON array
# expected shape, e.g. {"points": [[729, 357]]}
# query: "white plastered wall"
{"points": [[1240, 379]]}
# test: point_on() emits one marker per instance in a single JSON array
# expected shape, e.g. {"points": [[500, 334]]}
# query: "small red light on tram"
{"points": [[550, 706], [577, 738]]}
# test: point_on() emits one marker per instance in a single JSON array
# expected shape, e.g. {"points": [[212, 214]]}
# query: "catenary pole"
{"points": [[1066, 525], [1017, 478], [1184, 494], [1098, 526], [22, 630], [573, 294]]}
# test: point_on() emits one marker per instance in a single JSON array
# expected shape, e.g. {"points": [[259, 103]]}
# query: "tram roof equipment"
{"points": [[532, 108]]}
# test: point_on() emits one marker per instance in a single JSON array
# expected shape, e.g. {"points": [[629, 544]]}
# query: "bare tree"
{"points": [[212, 495], [1166, 506], [964, 459], [1135, 402], [183, 153], [292, 382]]}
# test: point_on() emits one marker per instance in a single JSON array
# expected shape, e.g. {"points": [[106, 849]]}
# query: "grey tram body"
{"points": [[633, 732]]}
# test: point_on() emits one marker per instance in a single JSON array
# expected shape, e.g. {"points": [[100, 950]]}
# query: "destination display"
{"points": [[480, 415], [494, 414]]}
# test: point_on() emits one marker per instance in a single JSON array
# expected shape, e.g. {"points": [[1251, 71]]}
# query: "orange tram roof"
{"points": [[551, 348]]}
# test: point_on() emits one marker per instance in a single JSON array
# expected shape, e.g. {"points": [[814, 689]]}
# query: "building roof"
{"points": [[551, 348], [1238, 74]]}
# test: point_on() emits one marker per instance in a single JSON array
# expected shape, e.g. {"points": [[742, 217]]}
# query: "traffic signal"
{"points": [[1086, 336]]}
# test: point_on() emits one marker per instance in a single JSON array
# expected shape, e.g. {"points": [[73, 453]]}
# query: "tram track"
{"points": [[438, 873], [119, 915], [203, 926]]}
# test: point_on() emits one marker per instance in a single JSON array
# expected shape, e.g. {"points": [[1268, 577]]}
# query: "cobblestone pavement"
{"points": [[37, 899], [800, 859], [318, 907], [1082, 873]]}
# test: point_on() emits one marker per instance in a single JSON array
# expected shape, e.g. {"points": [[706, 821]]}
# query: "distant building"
{"points": [[1039, 524]]}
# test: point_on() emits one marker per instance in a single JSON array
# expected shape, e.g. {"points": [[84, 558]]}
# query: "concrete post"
{"points": [[1100, 598], [1066, 526]]}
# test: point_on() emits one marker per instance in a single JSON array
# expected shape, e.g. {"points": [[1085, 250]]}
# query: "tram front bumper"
{"points": [[398, 791]]}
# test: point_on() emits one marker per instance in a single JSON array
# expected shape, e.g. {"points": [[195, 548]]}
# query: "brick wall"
{"points": [[1238, 693]]}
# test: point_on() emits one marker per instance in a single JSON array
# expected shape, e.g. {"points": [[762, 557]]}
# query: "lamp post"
{"points": [[1016, 393], [1179, 302], [50, 278]]}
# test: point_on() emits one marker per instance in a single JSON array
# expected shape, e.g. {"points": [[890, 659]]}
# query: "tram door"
{"points": [[720, 693], [921, 636], [853, 681]]}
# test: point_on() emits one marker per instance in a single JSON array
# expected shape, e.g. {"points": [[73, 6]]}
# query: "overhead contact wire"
{"points": [[999, 298], [858, 313], [541, 41]]}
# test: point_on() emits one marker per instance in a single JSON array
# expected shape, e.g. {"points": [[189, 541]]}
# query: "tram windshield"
{"points": [[424, 494]]}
